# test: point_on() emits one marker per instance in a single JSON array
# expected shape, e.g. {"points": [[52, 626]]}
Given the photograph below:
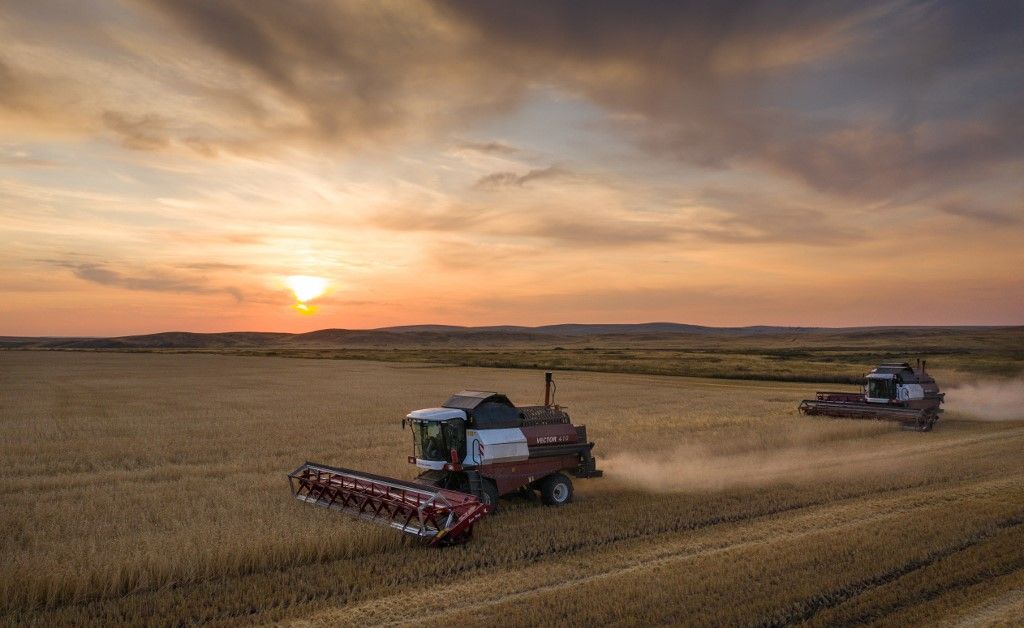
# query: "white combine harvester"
{"points": [[892, 392]]}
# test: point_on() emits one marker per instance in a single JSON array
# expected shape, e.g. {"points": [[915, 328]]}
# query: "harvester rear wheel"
{"points": [[556, 489]]}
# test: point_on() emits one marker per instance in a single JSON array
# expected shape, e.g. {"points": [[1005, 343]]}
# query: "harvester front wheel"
{"points": [[556, 489]]}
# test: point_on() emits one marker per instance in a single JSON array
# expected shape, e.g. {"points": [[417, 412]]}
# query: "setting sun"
{"points": [[306, 288]]}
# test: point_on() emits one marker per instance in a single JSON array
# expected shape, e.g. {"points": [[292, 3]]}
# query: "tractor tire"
{"points": [[489, 494], [556, 490]]}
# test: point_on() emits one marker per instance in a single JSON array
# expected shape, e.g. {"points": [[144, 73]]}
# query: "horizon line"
{"points": [[527, 328]]}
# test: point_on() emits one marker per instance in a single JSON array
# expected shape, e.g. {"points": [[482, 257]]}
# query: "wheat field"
{"points": [[150, 488]]}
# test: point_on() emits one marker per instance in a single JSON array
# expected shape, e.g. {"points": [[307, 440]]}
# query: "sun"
{"points": [[306, 288]]}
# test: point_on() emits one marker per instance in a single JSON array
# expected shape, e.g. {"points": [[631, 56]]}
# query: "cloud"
{"points": [[542, 222], [490, 148], [861, 101], [368, 136], [10, 86], [738, 217], [512, 179], [149, 280], [20, 92], [20, 159], [340, 74], [601, 212], [974, 211], [837, 96], [572, 231], [139, 132]]}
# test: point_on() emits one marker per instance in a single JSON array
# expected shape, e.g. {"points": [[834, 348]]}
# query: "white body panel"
{"points": [[491, 446], [436, 414], [904, 392], [907, 392]]}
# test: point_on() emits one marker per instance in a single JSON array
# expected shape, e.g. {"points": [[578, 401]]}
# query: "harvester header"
{"points": [[436, 515]]}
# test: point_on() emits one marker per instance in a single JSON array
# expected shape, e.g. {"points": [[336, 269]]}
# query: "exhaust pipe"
{"points": [[548, 393]]}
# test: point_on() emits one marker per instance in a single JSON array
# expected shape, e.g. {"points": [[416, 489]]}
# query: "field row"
{"points": [[150, 488]]}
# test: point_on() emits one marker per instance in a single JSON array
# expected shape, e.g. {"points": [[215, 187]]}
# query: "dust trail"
{"points": [[698, 467], [988, 400], [792, 457]]}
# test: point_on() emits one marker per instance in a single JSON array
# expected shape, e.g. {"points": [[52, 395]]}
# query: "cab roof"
{"points": [[485, 409], [902, 370], [436, 414], [468, 400]]}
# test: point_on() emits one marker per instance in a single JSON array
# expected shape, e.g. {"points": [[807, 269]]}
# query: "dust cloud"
{"points": [[700, 468], [988, 400]]}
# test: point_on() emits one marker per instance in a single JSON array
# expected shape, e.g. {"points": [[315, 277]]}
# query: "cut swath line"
{"points": [[888, 507]]}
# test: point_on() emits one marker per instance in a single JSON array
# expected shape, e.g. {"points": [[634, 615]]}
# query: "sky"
{"points": [[170, 164]]}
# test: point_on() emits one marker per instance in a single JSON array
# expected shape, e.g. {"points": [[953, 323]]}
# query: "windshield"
{"points": [[880, 388], [434, 440]]}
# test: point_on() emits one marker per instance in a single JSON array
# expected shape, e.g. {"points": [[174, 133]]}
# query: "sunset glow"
{"points": [[164, 164], [306, 288]]}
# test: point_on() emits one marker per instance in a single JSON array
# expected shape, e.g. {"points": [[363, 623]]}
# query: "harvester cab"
{"points": [[474, 448], [892, 392], [479, 442]]}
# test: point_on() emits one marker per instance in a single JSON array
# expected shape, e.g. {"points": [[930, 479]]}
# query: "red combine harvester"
{"points": [[474, 448], [893, 392]]}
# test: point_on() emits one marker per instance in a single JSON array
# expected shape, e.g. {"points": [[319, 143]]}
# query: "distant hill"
{"points": [[163, 340], [438, 336], [589, 329]]}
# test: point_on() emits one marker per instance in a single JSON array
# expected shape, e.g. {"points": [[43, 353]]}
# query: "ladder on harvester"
{"points": [[437, 515], [476, 485]]}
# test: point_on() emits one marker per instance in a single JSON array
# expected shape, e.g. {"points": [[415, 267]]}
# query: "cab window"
{"points": [[880, 388]]}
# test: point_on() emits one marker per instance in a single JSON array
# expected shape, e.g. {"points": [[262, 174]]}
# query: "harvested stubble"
{"points": [[144, 487]]}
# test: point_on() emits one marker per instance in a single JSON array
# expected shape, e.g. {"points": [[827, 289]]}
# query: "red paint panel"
{"points": [[511, 476], [556, 434]]}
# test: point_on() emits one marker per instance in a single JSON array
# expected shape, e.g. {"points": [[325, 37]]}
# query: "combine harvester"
{"points": [[476, 447], [893, 392]]}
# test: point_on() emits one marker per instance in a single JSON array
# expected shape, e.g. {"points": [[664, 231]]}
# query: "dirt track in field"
{"points": [[1002, 610]]}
